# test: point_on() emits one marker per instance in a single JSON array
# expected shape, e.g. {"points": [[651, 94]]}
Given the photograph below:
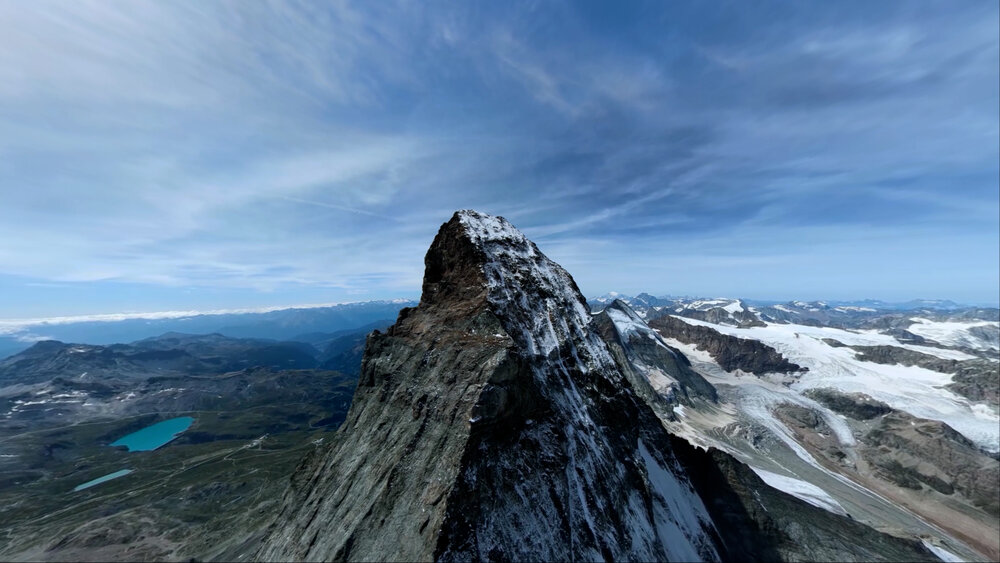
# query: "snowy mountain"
{"points": [[499, 420], [900, 433]]}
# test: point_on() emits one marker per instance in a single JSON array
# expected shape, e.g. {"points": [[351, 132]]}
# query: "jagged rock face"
{"points": [[491, 423], [759, 523], [656, 371], [730, 352]]}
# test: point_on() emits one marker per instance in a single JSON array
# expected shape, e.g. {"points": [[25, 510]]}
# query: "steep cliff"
{"points": [[492, 423]]}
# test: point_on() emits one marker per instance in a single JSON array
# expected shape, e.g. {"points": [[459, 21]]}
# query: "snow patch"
{"points": [[942, 553], [734, 307], [801, 490], [679, 514]]}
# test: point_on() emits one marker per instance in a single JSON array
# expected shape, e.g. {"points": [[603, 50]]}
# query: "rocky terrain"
{"points": [[976, 379], [195, 497], [913, 423], [730, 352], [492, 423], [914, 453], [973, 330], [656, 371]]}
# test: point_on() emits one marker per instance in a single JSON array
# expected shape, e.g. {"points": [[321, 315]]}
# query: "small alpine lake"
{"points": [[154, 436], [100, 480]]}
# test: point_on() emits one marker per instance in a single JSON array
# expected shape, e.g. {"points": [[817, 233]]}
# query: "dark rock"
{"points": [[730, 352], [641, 354], [855, 405], [489, 423], [759, 523]]}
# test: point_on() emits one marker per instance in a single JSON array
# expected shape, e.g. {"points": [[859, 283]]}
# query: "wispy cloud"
{"points": [[293, 147]]}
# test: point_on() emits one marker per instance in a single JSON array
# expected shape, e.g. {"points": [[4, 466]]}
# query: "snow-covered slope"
{"points": [[850, 428], [978, 335], [801, 489], [915, 390]]}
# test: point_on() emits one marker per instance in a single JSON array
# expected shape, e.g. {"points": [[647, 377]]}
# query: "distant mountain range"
{"points": [[852, 314], [301, 324], [913, 304]]}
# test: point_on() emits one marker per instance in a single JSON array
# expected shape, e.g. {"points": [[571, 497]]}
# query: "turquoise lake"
{"points": [[100, 480], [152, 437]]}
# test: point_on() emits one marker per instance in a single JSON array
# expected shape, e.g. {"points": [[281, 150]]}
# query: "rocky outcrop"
{"points": [[659, 373], [491, 423], [915, 452], [855, 405], [811, 430], [977, 380], [730, 352], [764, 524]]}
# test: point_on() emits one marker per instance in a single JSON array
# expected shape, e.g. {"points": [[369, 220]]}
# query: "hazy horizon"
{"points": [[13, 324]]}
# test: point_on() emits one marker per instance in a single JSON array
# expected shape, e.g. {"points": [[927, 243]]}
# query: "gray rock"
{"points": [[491, 423], [730, 352]]}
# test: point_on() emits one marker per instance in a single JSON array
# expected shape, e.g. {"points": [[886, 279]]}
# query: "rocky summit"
{"points": [[491, 422]]}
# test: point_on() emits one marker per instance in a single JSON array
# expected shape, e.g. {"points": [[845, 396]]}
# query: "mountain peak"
{"points": [[479, 259], [488, 228], [490, 423]]}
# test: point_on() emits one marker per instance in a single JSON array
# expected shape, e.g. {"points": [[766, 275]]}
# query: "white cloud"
{"points": [[286, 144]]}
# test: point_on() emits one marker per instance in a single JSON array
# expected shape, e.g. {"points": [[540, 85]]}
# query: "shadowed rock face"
{"points": [[491, 423], [761, 523], [729, 352]]}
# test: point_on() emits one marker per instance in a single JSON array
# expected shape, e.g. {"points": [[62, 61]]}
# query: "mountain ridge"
{"points": [[491, 423]]}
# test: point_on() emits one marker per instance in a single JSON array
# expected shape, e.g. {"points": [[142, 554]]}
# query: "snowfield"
{"points": [[915, 390], [956, 333]]}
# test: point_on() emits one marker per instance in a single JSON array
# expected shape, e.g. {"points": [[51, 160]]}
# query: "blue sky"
{"points": [[211, 155]]}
